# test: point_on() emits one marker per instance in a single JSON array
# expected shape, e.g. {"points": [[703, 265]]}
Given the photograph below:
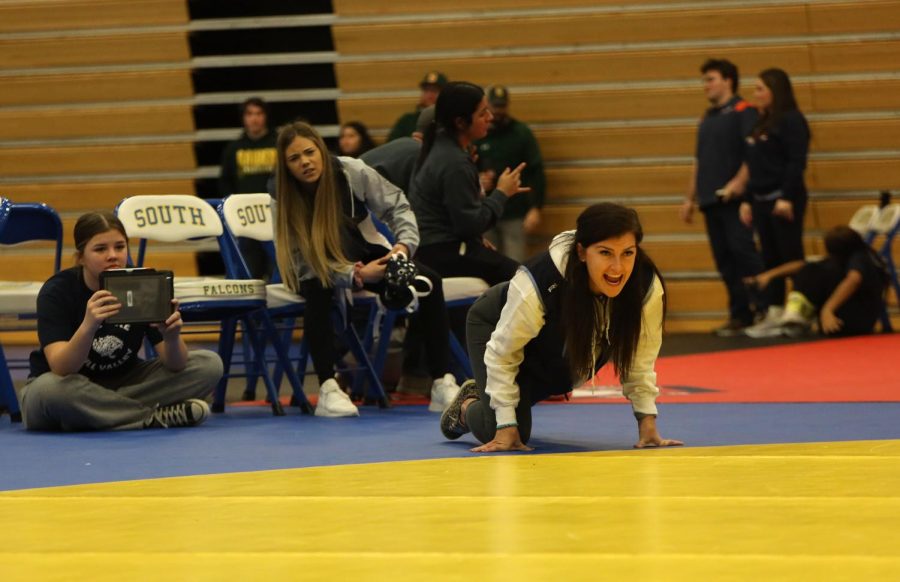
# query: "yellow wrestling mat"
{"points": [[825, 511]]}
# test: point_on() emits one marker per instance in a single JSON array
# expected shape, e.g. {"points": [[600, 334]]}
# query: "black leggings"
{"points": [[477, 261], [318, 327], [780, 242]]}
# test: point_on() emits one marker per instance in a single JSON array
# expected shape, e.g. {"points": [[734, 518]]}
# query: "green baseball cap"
{"points": [[498, 95], [434, 78]]}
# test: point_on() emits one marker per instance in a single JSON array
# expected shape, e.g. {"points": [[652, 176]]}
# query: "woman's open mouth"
{"points": [[614, 281]]}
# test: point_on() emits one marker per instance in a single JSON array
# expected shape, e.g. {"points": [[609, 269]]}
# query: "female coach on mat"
{"points": [[593, 297]]}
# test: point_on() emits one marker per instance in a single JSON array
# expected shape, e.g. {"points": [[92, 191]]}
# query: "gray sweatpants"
{"points": [[75, 403], [480, 324]]}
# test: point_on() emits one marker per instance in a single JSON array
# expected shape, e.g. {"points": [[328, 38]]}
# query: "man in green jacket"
{"points": [[509, 142], [431, 85]]}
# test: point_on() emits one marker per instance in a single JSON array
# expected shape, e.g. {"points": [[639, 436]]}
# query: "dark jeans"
{"points": [[736, 257], [478, 261], [318, 326], [781, 241]]}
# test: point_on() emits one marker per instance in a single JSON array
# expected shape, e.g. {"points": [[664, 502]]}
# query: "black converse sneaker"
{"points": [[188, 413], [451, 420]]}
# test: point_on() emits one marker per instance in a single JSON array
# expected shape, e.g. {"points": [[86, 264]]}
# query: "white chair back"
{"points": [[886, 219], [250, 216], [863, 219], [168, 218]]}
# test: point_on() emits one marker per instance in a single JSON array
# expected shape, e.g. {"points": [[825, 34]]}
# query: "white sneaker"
{"points": [[334, 402], [443, 392], [770, 326]]}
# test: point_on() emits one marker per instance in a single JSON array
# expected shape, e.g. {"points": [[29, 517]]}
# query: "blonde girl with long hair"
{"points": [[326, 241]]}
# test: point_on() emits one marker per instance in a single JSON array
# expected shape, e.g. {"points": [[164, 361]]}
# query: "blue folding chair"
{"points": [[228, 302], [250, 215], [20, 223], [887, 224]]}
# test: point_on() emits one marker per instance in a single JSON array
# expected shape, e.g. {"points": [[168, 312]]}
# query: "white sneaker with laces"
{"points": [[770, 326], [334, 402], [443, 392]]}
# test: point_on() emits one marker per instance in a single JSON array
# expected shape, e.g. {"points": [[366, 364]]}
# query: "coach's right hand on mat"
{"points": [[506, 439], [648, 436]]}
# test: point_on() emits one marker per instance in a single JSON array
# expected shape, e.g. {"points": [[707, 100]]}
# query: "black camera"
{"points": [[403, 285]]}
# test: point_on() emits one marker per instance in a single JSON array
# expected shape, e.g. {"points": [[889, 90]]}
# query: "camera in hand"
{"points": [[145, 294], [402, 284]]}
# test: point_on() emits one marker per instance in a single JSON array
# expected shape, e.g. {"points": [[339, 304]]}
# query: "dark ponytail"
{"points": [[458, 100]]}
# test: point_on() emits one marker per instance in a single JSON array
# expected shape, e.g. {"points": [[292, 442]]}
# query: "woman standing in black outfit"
{"points": [[776, 157]]}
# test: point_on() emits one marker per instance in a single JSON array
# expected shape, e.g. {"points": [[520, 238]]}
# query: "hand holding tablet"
{"points": [[145, 294]]}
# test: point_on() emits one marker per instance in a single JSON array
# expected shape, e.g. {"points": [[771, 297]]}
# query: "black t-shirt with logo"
{"points": [[61, 306]]}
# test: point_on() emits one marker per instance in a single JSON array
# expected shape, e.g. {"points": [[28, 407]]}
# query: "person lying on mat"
{"points": [[87, 374], [845, 291], [592, 298], [326, 239]]}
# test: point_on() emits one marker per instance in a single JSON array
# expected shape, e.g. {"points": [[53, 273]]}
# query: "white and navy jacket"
{"points": [[525, 316]]}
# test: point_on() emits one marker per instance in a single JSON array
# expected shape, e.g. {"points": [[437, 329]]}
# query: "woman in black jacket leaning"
{"points": [[451, 208]]}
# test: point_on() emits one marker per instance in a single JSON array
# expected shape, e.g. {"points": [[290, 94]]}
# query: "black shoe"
{"points": [[733, 328], [451, 419], [191, 412]]}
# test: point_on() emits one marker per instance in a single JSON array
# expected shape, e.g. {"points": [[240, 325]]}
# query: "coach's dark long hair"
{"points": [[580, 308], [458, 100], [783, 100]]}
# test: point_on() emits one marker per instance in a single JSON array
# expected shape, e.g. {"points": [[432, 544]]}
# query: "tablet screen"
{"points": [[145, 294]]}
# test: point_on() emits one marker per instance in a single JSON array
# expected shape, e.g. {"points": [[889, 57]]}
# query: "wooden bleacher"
{"points": [[612, 92], [640, 103], [117, 86], [97, 101], [59, 15], [744, 22], [96, 105], [627, 65]]}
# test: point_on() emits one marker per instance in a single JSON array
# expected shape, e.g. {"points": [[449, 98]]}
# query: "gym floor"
{"points": [[789, 472]]}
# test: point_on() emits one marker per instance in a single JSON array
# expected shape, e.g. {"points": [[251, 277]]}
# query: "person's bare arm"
{"points": [[67, 357], [787, 269]]}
